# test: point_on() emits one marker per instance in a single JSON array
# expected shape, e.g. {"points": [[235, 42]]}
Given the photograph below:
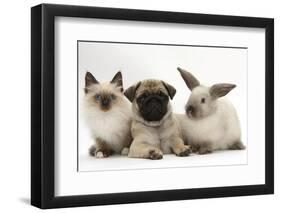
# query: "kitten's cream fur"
{"points": [[111, 127]]}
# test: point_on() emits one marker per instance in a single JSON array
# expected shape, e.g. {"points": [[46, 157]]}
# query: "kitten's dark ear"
{"points": [[190, 81], [171, 90], [130, 93], [117, 79], [219, 90], [89, 80]]}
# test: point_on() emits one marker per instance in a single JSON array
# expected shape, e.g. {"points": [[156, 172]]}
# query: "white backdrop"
{"points": [[15, 112], [141, 61]]}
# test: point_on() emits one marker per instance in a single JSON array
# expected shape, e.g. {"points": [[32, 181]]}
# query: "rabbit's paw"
{"points": [[185, 151], [237, 146], [204, 149]]}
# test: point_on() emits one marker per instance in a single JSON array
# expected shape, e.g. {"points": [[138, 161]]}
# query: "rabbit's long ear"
{"points": [[170, 89], [89, 80], [117, 79], [219, 90], [190, 81], [130, 93]]}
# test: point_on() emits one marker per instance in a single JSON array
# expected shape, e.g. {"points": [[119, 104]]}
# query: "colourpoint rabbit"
{"points": [[211, 121]]}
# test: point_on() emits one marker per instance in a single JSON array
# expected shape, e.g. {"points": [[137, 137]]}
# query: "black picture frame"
{"points": [[43, 105]]}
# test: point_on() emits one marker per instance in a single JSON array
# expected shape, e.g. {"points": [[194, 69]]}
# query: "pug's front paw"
{"points": [[155, 154]]}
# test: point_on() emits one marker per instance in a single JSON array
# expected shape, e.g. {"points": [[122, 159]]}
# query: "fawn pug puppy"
{"points": [[211, 121], [108, 115], [154, 129]]}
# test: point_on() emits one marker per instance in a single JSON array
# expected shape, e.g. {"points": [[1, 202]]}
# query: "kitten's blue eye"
{"points": [[112, 97], [97, 97]]}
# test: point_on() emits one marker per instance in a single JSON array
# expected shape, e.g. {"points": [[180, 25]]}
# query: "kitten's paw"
{"points": [[99, 154], [125, 151], [185, 151], [155, 154]]}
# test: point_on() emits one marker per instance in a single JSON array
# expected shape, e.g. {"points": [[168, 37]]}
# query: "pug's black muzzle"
{"points": [[153, 107]]}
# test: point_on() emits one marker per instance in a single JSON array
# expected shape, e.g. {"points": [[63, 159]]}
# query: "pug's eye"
{"points": [[163, 96], [203, 100], [161, 93], [141, 99], [97, 97], [112, 97]]}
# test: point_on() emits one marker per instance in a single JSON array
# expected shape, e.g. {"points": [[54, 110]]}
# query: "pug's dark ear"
{"points": [[171, 90], [220, 90], [190, 81], [89, 80], [130, 93], [117, 79]]}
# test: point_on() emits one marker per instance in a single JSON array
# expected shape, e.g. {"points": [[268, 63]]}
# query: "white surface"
{"points": [[15, 112], [117, 162], [141, 61], [69, 181]]}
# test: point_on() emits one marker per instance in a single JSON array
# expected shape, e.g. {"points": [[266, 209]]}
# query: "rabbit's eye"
{"points": [[203, 100]]}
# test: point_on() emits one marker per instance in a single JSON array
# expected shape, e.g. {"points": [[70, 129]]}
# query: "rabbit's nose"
{"points": [[190, 108]]}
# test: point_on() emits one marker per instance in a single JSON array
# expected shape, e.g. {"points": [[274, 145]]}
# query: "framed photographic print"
{"points": [[140, 106]]}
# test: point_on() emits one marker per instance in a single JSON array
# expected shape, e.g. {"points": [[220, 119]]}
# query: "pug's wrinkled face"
{"points": [[151, 98], [152, 105]]}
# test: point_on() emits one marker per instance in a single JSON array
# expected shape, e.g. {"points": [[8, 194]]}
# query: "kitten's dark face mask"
{"points": [[153, 106], [105, 101]]}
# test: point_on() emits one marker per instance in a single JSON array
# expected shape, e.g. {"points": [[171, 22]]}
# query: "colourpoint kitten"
{"points": [[108, 115]]}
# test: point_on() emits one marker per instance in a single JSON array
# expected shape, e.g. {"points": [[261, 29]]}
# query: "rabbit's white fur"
{"points": [[212, 123], [221, 129]]}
